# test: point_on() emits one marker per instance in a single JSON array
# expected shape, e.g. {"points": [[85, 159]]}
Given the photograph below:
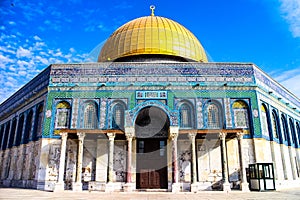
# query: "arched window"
{"points": [[185, 113], [19, 130], [37, 132], [62, 116], [214, 117], [28, 127], [240, 111], [264, 120], [292, 128], [118, 116], [90, 116], [4, 143], [1, 135], [275, 125], [12, 133], [298, 132], [284, 128]]}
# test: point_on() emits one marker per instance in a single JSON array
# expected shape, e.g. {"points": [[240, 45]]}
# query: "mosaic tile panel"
{"points": [[120, 161], [75, 109], [103, 108], [199, 113], [228, 112]]}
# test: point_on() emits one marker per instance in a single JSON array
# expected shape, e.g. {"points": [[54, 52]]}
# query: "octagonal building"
{"points": [[151, 114]]}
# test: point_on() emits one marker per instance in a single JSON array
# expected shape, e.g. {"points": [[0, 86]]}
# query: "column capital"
{"points": [[80, 135], [63, 135], [129, 132], [222, 135], [111, 136], [192, 135], [174, 131], [240, 135]]}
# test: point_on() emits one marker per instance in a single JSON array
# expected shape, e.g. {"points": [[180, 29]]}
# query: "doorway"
{"points": [[152, 125]]}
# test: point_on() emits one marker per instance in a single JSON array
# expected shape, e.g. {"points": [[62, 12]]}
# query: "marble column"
{"points": [[174, 131], [110, 186], [60, 184], [244, 183], [77, 186], [194, 185], [129, 132], [226, 184]]}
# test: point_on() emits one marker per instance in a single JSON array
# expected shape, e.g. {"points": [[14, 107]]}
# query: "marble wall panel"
{"points": [[71, 161], [209, 160], [120, 154], [89, 160], [184, 160], [102, 160], [233, 160]]}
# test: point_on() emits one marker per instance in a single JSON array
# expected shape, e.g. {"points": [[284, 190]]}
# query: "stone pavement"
{"points": [[27, 194]]}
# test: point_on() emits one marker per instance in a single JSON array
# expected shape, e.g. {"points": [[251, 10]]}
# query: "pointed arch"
{"points": [[214, 115], [292, 130], [298, 132], [186, 115], [19, 130], [63, 115], [241, 114], [90, 115], [28, 126], [265, 120], [12, 134], [118, 116], [37, 132], [284, 129], [275, 126]]}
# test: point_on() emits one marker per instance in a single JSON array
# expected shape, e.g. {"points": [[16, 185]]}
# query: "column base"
{"points": [[226, 187], [59, 187], [176, 187], [194, 187], [110, 187], [129, 187], [77, 187], [245, 187]]}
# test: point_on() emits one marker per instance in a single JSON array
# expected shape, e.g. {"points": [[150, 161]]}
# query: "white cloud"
{"points": [[291, 12], [42, 60], [5, 59], [37, 38], [23, 58], [12, 23], [289, 79], [21, 52]]}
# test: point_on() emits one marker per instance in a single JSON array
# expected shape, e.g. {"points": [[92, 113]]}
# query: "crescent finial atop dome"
{"points": [[152, 8]]}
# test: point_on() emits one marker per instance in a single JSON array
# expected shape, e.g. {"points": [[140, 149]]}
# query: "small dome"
{"points": [[152, 35]]}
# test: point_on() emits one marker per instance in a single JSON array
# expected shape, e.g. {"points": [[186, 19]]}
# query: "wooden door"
{"points": [[151, 164]]}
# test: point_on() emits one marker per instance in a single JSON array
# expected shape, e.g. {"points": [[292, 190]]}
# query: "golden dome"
{"points": [[152, 35]]}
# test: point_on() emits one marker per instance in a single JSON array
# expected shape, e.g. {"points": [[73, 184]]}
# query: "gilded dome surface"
{"points": [[152, 35]]}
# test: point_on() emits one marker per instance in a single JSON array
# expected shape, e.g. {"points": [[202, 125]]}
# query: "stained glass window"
{"points": [[284, 127], [185, 116], [292, 128], [213, 116], [62, 115], [90, 116], [275, 127], [118, 117], [264, 120], [240, 110]]}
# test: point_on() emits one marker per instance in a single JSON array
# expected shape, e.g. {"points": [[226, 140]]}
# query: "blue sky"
{"points": [[34, 34]]}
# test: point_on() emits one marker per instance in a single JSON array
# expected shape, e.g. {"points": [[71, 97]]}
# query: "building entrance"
{"points": [[152, 125]]}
